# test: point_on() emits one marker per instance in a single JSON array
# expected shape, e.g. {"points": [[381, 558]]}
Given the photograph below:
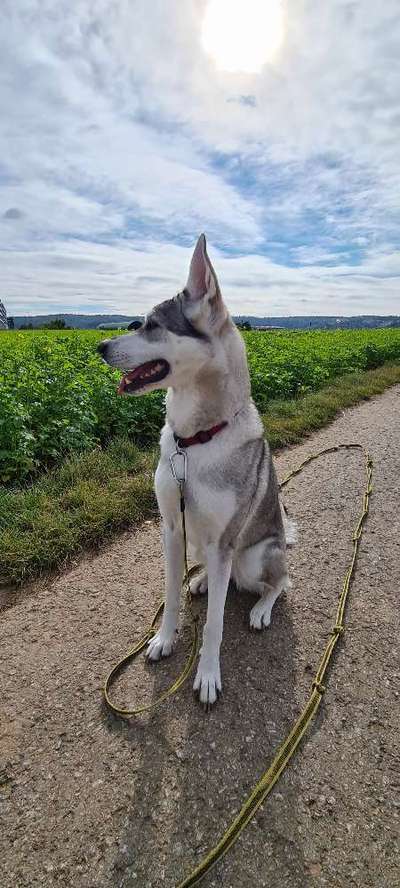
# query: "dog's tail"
{"points": [[289, 526]]}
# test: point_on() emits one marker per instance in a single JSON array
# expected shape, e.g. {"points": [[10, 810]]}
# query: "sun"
{"points": [[242, 35]]}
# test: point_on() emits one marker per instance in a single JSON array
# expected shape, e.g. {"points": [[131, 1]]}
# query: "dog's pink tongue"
{"points": [[126, 379]]}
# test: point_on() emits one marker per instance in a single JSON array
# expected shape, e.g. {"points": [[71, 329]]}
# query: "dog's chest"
{"points": [[208, 508]]}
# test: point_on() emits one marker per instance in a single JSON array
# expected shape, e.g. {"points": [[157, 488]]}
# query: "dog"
{"points": [[236, 525]]}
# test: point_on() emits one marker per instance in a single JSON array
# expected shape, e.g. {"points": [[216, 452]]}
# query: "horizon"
{"points": [[238, 315], [280, 142]]}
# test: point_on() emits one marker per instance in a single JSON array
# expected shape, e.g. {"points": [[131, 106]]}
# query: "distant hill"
{"points": [[326, 322], [301, 322], [79, 321]]}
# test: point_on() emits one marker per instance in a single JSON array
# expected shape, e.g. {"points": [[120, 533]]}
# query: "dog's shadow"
{"points": [[197, 768]]}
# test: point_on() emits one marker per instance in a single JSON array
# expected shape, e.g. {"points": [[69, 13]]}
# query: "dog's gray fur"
{"points": [[170, 315], [236, 524]]}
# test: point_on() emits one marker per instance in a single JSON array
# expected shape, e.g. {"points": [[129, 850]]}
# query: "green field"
{"points": [[57, 398]]}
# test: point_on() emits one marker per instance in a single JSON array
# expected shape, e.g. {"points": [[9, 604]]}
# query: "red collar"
{"points": [[201, 437]]}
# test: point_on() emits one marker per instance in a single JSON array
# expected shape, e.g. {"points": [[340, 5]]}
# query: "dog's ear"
{"points": [[202, 279], [203, 295]]}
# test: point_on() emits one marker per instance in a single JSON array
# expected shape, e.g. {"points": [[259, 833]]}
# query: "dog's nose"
{"points": [[102, 347]]}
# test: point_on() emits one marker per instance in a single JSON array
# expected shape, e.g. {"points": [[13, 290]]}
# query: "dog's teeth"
{"points": [[147, 374]]}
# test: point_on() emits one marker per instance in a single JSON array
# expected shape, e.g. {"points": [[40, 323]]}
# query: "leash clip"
{"points": [[179, 468]]}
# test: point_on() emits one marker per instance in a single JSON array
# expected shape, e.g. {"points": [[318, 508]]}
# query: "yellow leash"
{"points": [[289, 746], [132, 654]]}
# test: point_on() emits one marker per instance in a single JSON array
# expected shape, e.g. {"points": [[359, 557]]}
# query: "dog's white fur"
{"points": [[228, 531], [205, 524]]}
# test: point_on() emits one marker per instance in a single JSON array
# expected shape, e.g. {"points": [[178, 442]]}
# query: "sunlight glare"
{"points": [[242, 35]]}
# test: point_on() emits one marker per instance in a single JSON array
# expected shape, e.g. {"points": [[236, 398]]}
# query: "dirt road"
{"points": [[87, 801]]}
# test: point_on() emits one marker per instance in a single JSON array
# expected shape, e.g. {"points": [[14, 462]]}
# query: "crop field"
{"points": [[58, 398]]}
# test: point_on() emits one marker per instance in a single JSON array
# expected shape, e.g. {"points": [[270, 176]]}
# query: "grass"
{"points": [[90, 497], [288, 422], [77, 506]]}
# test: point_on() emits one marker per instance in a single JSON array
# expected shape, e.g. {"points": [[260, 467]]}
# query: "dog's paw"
{"points": [[260, 615], [160, 645], [208, 684], [199, 584]]}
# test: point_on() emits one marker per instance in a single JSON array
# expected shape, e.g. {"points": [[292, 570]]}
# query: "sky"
{"points": [[122, 138]]}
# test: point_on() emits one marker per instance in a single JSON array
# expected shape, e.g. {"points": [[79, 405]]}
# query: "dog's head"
{"points": [[179, 337]]}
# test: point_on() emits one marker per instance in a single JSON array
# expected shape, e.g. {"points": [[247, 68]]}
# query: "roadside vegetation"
{"points": [[57, 398], [84, 501]]}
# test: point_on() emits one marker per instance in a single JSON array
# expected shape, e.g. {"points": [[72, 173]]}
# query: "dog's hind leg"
{"points": [[199, 583], [260, 614], [162, 643], [262, 568]]}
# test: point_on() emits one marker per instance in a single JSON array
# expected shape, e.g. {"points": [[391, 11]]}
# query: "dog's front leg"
{"points": [[208, 678], [163, 641]]}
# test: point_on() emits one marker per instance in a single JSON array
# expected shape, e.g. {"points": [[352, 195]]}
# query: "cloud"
{"points": [[119, 277], [13, 213], [310, 255], [123, 141], [250, 101]]}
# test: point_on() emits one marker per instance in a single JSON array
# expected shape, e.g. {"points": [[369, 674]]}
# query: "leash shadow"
{"points": [[197, 768]]}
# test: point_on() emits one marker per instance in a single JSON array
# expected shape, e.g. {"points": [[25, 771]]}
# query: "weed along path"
{"points": [[88, 801]]}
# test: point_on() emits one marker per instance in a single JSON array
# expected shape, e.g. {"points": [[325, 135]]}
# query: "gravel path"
{"points": [[92, 802]]}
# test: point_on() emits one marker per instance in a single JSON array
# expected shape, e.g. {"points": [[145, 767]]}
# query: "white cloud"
{"points": [[306, 255], [119, 131], [130, 279]]}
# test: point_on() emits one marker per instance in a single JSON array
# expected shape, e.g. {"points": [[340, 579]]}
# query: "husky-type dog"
{"points": [[236, 525]]}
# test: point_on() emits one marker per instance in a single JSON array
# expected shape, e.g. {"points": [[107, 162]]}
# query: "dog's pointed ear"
{"points": [[202, 279]]}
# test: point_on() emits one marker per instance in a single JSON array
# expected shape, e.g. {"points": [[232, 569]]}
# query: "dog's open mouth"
{"points": [[145, 374]]}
